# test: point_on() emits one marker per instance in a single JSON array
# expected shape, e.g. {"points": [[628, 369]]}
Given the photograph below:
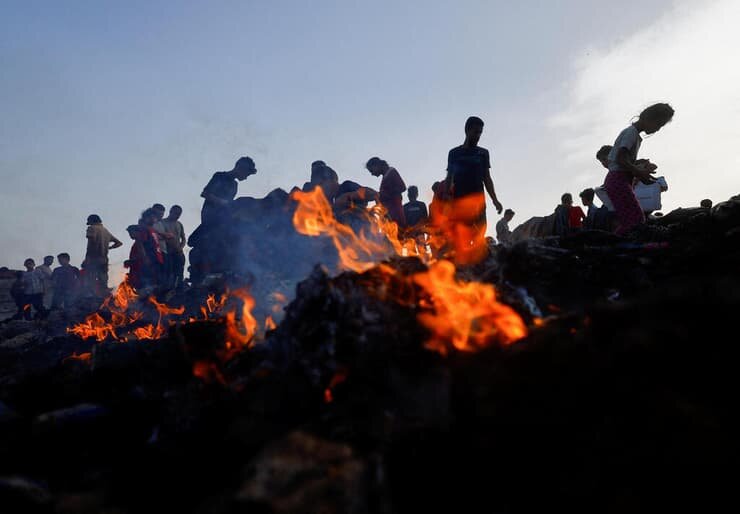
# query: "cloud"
{"points": [[686, 58]]}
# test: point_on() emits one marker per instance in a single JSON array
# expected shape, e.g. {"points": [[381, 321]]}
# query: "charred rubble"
{"points": [[621, 398]]}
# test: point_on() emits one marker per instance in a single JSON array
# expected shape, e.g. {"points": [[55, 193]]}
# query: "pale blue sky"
{"points": [[108, 107]]}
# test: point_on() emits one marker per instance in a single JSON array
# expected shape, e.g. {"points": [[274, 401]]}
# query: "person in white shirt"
{"points": [[503, 234]]}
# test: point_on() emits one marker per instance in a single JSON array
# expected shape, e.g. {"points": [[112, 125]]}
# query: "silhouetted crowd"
{"points": [[454, 223]]}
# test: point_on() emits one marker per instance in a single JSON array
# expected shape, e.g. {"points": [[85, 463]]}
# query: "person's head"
{"points": [[159, 210], [175, 213], [413, 193], [706, 203], [376, 166], [655, 117], [149, 217], [63, 259], [587, 197], [48, 260], [133, 230], [94, 219], [29, 264], [473, 130], [244, 167], [508, 214], [566, 199], [603, 155], [316, 167]]}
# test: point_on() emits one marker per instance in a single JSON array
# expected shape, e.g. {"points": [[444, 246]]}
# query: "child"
{"points": [[33, 291], [575, 215], [624, 166], [65, 279]]}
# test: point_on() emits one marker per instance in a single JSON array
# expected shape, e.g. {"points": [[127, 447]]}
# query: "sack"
{"points": [[603, 197]]}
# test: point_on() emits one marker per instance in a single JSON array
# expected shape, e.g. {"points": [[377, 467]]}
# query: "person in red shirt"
{"points": [[391, 188], [575, 213]]}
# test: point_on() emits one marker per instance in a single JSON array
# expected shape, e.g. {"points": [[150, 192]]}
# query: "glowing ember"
{"points": [[84, 357], [465, 315]]}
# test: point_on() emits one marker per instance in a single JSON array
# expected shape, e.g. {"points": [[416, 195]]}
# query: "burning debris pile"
{"points": [[583, 373]]}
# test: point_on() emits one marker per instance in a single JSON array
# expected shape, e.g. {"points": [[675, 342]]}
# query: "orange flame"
{"points": [[214, 305], [149, 332], [314, 217], [465, 315], [94, 326], [270, 323], [240, 333]]}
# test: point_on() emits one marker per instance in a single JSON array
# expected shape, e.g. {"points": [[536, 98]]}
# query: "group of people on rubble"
{"points": [[457, 213], [156, 259], [630, 193]]}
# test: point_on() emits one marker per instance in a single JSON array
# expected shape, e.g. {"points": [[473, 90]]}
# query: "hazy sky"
{"points": [[108, 107]]}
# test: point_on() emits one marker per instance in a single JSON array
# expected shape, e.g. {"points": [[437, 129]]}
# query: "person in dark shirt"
{"points": [[415, 211], [66, 281], [468, 175], [391, 188], [221, 190], [322, 175]]}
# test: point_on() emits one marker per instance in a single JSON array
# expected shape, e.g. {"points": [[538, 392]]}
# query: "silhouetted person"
{"points": [[66, 281], [624, 166], [562, 215], [45, 270], [175, 239], [221, 191], [706, 203], [391, 188], [468, 175], [99, 241], [325, 177], [33, 292], [597, 218], [145, 257], [503, 233], [575, 215], [415, 211]]}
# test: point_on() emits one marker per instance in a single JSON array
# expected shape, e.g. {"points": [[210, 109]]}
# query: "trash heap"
{"points": [[618, 396]]}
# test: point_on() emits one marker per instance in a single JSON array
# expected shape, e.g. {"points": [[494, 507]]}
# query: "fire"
{"points": [[240, 332], [314, 217], [461, 315], [120, 305], [94, 326], [149, 332], [270, 323], [465, 315], [214, 305]]}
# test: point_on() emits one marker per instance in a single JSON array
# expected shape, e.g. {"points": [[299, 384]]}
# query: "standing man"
{"points": [[503, 234], [221, 191], [45, 271], [391, 188], [175, 246], [468, 174], [99, 241]]}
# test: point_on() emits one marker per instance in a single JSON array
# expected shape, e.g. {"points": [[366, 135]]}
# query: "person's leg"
{"points": [[628, 211], [179, 269], [37, 301]]}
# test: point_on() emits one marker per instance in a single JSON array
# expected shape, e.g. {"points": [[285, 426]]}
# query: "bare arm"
{"points": [[114, 243], [640, 169], [488, 183]]}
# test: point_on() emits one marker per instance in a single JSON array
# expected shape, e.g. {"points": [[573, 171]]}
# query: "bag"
{"points": [[603, 197]]}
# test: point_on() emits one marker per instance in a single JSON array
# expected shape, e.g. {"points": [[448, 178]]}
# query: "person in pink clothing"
{"points": [[624, 166]]}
